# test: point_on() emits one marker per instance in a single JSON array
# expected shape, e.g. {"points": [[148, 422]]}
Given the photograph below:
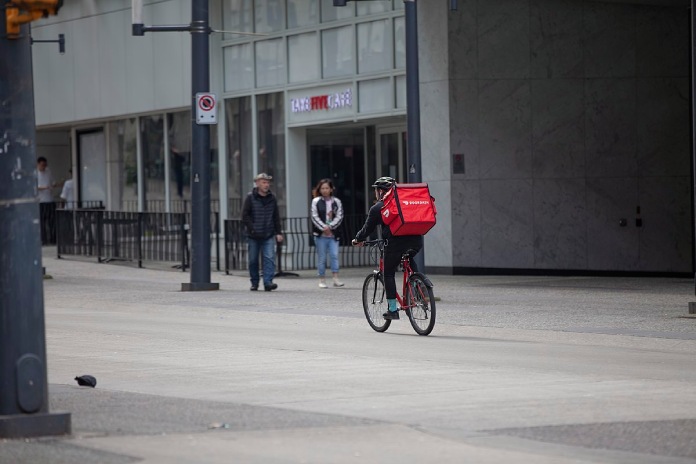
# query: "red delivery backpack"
{"points": [[409, 209]]}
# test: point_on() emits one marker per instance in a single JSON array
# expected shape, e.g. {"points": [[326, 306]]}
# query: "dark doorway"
{"points": [[339, 154]]}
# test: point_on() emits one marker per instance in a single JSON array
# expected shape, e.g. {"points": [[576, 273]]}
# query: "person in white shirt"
{"points": [[44, 180], [45, 185], [68, 193]]}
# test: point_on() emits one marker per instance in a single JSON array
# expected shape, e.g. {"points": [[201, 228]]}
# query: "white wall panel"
{"points": [[140, 88], [86, 79], [42, 87], [168, 75], [112, 62], [76, 9], [54, 89], [105, 71]]}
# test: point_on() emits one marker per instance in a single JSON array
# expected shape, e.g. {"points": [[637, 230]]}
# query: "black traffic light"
{"points": [[19, 12]]}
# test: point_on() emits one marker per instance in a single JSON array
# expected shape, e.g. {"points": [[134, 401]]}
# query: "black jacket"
{"points": [[374, 219], [260, 215]]}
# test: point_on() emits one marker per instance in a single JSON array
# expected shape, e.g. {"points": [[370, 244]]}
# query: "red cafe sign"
{"points": [[327, 102]]}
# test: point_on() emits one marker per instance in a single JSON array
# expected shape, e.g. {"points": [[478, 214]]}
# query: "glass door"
{"points": [[338, 154], [91, 151], [391, 153]]}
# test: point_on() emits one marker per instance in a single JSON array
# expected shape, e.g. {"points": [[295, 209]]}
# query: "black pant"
{"points": [[393, 252], [48, 223]]}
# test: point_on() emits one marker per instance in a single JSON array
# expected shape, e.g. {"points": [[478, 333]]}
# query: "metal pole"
{"points": [[200, 159], [413, 104], [692, 305], [23, 378]]}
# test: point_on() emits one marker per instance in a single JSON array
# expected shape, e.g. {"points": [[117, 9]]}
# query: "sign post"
{"points": [[204, 106]]}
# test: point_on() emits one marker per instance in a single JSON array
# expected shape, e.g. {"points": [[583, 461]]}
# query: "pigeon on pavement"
{"points": [[86, 381]]}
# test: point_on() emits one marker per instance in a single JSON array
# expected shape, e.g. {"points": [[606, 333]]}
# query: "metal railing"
{"points": [[297, 252], [165, 237], [159, 206], [47, 216], [128, 236]]}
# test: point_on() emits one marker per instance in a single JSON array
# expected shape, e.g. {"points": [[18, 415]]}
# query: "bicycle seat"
{"points": [[410, 253]]}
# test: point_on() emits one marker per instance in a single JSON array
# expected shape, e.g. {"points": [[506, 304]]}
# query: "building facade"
{"points": [[555, 133]]}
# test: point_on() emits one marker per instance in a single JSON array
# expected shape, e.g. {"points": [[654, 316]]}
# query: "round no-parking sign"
{"points": [[206, 108]]}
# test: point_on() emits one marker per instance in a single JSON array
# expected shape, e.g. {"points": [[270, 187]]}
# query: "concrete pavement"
{"points": [[518, 369]]}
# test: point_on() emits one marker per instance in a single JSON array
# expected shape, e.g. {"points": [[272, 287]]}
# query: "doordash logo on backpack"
{"points": [[415, 202], [385, 213]]}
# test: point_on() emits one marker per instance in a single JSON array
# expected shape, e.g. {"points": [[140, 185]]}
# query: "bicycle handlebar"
{"points": [[379, 241]]}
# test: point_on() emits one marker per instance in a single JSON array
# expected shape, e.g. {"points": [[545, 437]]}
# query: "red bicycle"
{"points": [[418, 300]]}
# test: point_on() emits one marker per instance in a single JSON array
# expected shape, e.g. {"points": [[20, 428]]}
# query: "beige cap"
{"points": [[263, 176]]}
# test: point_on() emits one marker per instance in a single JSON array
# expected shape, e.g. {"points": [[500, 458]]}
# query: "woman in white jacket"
{"points": [[327, 215]]}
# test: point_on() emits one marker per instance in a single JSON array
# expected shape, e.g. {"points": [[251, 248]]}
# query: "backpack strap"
{"points": [[398, 203]]}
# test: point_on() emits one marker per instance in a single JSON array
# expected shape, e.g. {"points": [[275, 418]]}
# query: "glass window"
{"points": [[399, 5], [302, 13], [375, 95], [239, 153], [337, 52], [180, 155], [123, 151], [400, 42], [374, 46], [271, 139], [389, 151], [179, 125], [303, 56], [238, 16], [214, 170], [92, 158], [400, 91], [152, 148], [334, 13], [270, 63], [239, 67], [269, 15], [373, 7]]}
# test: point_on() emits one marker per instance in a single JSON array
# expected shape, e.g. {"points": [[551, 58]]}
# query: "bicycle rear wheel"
{"points": [[375, 302], [420, 304]]}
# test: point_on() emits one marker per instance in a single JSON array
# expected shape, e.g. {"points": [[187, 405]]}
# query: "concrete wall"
{"points": [[435, 129], [570, 115], [105, 71]]}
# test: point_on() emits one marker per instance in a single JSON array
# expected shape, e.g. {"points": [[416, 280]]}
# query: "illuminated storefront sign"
{"points": [[332, 101]]}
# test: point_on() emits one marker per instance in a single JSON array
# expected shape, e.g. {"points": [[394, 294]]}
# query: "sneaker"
{"points": [[391, 315], [337, 283], [322, 283], [254, 288], [268, 288]]}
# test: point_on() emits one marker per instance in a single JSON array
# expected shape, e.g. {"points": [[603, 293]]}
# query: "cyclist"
{"points": [[396, 245]]}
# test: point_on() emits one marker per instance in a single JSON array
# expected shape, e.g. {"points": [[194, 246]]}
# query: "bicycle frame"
{"points": [[408, 271], [416, 299]]}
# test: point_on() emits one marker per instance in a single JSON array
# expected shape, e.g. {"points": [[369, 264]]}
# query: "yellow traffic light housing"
{"points": [[19, 12]]}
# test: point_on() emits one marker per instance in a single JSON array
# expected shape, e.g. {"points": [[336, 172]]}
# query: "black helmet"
{"points": [[384, 183]]}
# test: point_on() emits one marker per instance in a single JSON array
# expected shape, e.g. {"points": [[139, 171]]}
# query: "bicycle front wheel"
{"points": [[420, 304], [375, 302]]}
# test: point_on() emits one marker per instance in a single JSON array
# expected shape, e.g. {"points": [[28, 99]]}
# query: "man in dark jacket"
{"points": [[262, 222], [396, 246]]}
